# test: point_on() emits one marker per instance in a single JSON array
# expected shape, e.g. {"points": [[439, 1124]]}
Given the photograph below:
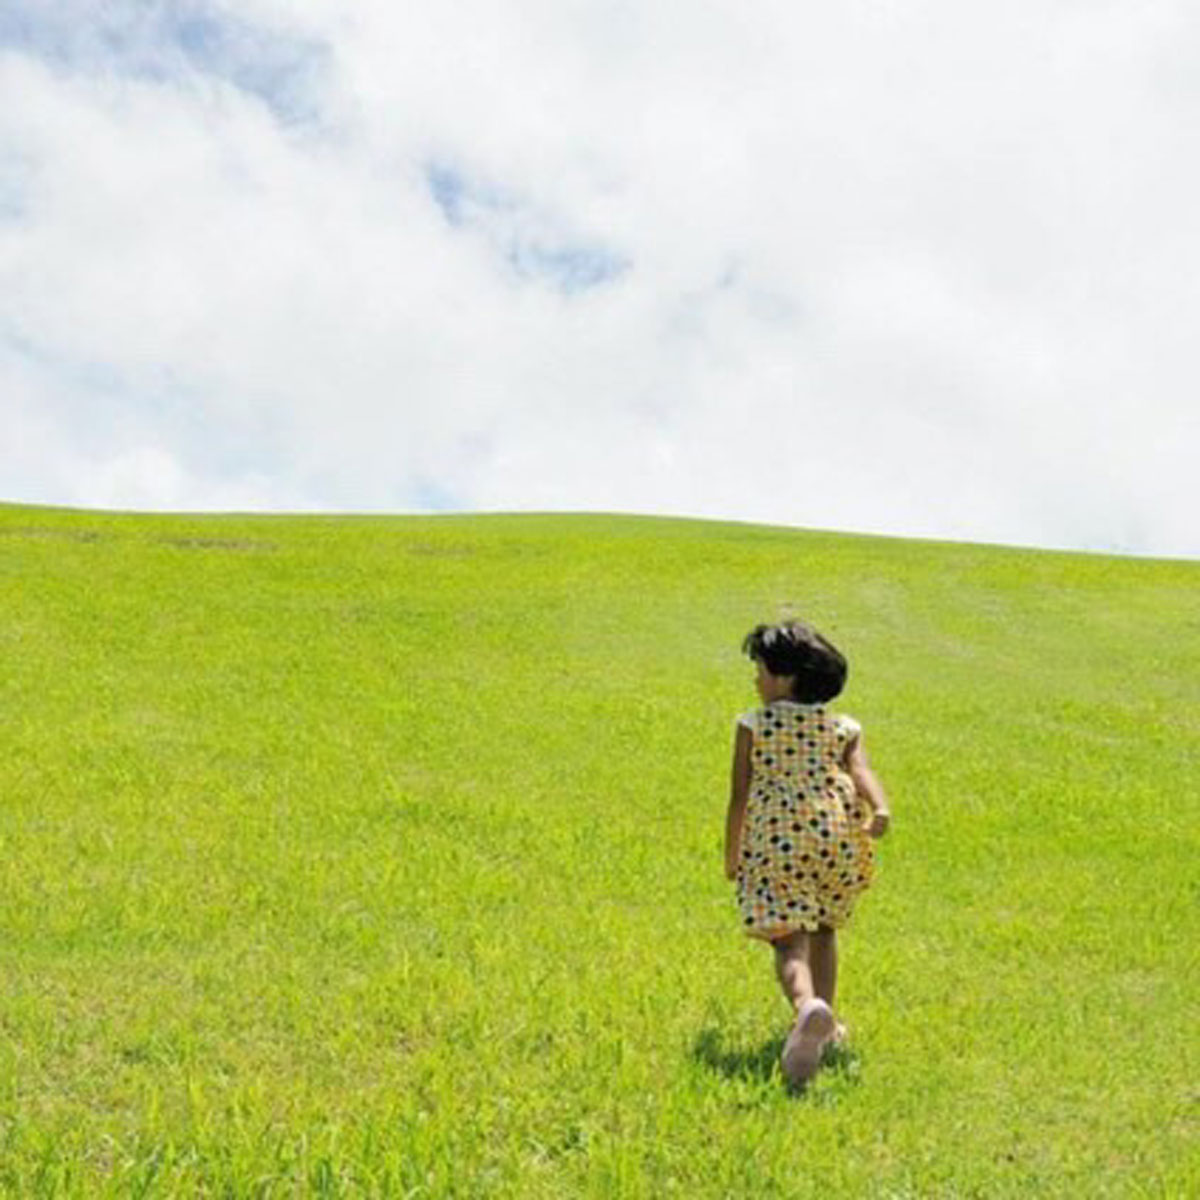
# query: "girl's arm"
{"points": [[738, 791], [867, 784]]}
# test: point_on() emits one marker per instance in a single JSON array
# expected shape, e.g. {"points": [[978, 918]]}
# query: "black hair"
{"points": [[794, 648]]}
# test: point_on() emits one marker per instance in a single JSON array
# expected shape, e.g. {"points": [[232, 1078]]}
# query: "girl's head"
{"points": [[793, 658]]}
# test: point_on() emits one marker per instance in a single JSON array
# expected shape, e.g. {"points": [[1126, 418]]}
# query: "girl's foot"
{"points": [[802, 1051]]}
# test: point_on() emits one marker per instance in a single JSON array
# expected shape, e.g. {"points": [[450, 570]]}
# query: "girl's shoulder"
{"points": [[755, 719], [843, 724], [778, 710]]}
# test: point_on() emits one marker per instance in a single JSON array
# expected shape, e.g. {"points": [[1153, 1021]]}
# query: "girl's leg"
{"points": [[814, 1018], [822, 959], [791, 967]]}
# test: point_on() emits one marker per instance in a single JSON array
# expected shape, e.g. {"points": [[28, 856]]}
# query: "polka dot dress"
{"points": [[805, 853]]}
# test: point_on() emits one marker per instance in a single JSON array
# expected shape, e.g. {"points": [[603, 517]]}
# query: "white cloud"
{"points": [[921, 268]]}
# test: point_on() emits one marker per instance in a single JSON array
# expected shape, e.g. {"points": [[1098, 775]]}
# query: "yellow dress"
{"points": [[805, 853]]}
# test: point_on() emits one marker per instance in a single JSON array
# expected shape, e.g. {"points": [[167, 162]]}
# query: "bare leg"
{"points": [[822, 958], [791, 967], [794, 964]]}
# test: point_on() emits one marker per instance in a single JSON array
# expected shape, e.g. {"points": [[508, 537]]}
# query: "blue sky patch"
{"points": [[532, 245], [464, 201], [448, 190], [571, 268], [164, 44]]}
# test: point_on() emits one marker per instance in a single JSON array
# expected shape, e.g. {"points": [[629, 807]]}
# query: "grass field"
{"points": [[382, 856]]}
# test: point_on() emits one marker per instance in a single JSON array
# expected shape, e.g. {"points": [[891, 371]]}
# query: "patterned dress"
{"points": [[805, 853]]}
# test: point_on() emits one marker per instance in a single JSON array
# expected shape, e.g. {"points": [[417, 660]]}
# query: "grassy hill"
{"points": [[349, 856]]}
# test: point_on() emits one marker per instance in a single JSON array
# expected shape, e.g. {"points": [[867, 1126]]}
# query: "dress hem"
{"points": [[761, 935]]}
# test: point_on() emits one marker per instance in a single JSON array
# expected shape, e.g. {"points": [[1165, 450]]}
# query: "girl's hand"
{"points": [[867, 785]]}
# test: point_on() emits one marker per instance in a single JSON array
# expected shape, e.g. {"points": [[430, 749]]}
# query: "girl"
{"points": [[803, 809]]}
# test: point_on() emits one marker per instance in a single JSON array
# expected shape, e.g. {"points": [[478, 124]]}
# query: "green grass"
{"points": [[357, 856]]}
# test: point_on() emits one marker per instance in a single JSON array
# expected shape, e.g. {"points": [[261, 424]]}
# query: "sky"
{"points": [[928, 268]]}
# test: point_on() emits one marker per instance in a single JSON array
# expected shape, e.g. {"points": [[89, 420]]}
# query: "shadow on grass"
{"points": [[761, 1063], [709, 1049]]}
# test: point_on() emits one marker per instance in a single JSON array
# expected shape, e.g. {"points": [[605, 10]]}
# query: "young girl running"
{"points": [[803, 809]]}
